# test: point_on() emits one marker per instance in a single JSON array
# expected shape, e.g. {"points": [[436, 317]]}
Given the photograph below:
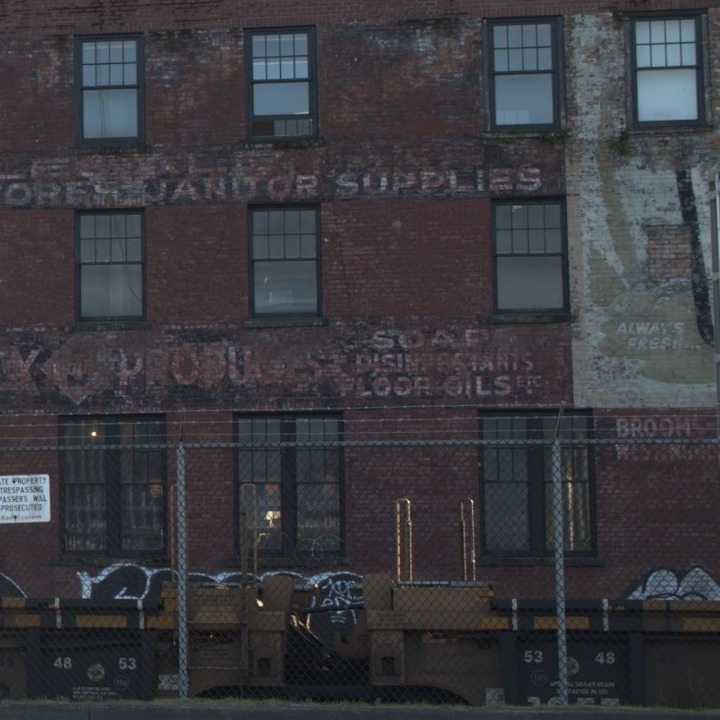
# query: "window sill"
{"points": [[283, 143], [130, 148], [517, 318], [103, 561], [111, 325], [549, 135], [281, 561], [282, 322], [519, 561], [670, 129]]}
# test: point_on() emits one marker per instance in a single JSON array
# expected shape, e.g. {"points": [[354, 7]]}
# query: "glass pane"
{"points": [[88, 73], [301, 44], [530, 61], [553, 240], [261, 247], [285, 287], [673, 55], [319, 517], [276, 222], [88, 53], [657, 31], [688, 55], [667, 95], [117, 250], [672, 31], [501, 61], [553, 216], [259, 70], [110, 291], [514, 36], [292, 246], [260, 222], [102, 52], [530, 283], [520, 241], [130, 76], [110, 114], [503, 216], [307, 221], [266, 525], [87, 250], [287, 69], [272, 69], [687, 31], [515, 59], [500, 36], [292, 221], [657, 56], [130, 51], [642, 33], [544, 35], [287, 45], [643, 56], [308, 246], [506, 517], [524, 99], [258, 46], [536, 241], [116, 51], [301, 68], [281, 98], [87, 226], [272, 45], [102, 74], [503, 241], [544, 59], [276, 244], [529, 36], [102, 250], [133, 225]]}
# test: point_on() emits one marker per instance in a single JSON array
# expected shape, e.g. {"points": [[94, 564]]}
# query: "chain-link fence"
{"points": [[533, 564]]}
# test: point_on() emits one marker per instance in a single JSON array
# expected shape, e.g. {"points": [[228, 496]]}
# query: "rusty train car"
{"points": [[408, 640], [430, 641]]}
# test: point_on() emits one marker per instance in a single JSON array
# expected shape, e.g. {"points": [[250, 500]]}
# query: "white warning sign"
{"points": [[24, 498]]}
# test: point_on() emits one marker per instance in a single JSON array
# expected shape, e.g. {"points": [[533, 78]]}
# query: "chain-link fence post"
{"points": [[559, 546], [182, 574]]}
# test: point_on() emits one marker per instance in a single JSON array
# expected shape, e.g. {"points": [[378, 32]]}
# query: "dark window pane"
{"points": [[531, 282], [285, 287]]}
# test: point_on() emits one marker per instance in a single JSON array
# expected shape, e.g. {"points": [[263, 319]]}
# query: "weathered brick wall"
{"points": [[404, 171]]}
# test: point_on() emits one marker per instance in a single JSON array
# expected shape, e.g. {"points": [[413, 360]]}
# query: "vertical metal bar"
{"points": [[182, 574], [559, 545], [715, 235], [467, 531], [403, 539]]}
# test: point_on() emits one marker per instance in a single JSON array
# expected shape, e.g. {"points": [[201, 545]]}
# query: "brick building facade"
{"points": [[421, 220]]}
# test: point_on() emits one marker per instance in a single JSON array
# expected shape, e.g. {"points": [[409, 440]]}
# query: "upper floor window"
{"points": [[525, 74], [109, 73], [667, 65], [110, 273], [517, 477], [530, 256], [284, 250], [282, 83], [113, 485], [290, 485]]}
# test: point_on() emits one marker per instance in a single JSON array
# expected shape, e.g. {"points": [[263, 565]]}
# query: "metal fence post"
{"points": [[182, 574], [559, 545]]}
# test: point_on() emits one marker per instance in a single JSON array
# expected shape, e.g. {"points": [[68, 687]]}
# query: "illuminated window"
{"points": [[290, 485], [517, 485], [113, 491]]}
